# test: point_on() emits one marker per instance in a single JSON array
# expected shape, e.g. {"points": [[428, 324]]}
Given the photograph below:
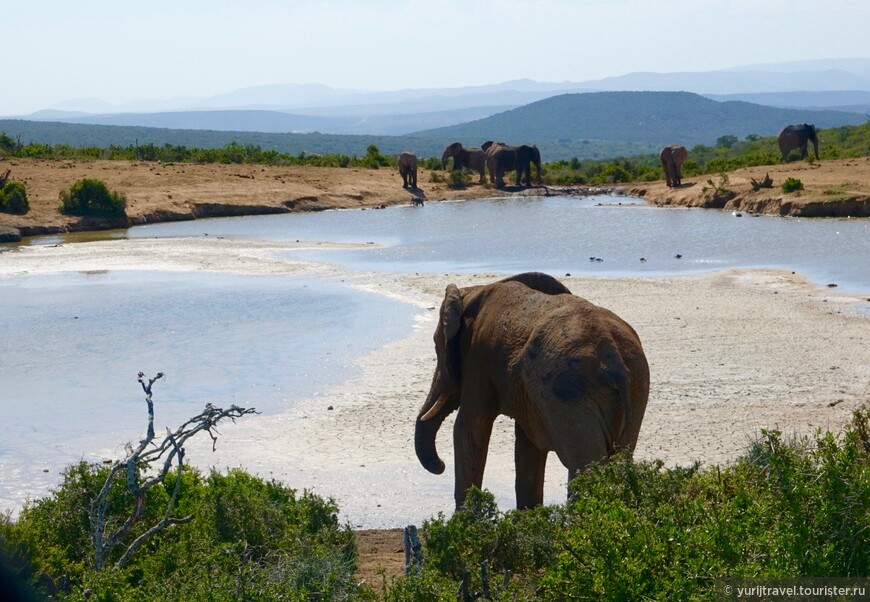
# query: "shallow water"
{"points": [[562, 235], [73, 344]]}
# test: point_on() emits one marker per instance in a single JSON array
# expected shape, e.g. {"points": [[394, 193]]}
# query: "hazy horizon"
{"points": [[119, 53]]}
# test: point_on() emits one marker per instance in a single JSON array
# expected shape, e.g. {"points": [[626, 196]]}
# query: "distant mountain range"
{"points": [[583, 125], [826, 84]]}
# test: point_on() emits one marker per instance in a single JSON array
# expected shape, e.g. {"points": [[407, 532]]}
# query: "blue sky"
{"points": [[120, 51]]}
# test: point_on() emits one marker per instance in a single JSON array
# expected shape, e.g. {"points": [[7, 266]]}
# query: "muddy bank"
{"points": [[159, 192], [830, 189]]}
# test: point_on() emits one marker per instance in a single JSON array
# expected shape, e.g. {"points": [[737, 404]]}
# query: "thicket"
{"points": [[250, 540], [13, 198], [790, 507], [150, 527], [639, 531], [91, 197]]}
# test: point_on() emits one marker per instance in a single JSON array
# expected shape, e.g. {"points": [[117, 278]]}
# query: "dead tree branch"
{"points": [[145, 456], [765, 183]]}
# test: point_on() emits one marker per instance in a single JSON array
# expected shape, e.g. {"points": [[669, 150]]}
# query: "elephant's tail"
{"points": [[614, 373]]}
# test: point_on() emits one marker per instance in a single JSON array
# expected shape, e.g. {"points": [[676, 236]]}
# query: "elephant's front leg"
{"points": [[471, 434], [531, 463]]}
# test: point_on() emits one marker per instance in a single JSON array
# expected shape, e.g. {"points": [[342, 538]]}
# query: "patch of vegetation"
{"points": [[149, 527], [251, 540], [91, 197], [790, 507], [718, 193], [638, 530], [792, 185], [458, 180], [594, 162], [13, 198]]}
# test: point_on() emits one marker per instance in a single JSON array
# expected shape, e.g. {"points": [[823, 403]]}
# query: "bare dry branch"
{"points": [[169, 452], [765, 183]]}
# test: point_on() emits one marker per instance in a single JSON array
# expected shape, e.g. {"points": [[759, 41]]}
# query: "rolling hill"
{"points": [[655, 118], [586, 125]]}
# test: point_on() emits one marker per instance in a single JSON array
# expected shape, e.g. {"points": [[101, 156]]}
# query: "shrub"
{"points": [[457, 180], [788, 508], [792, 185], [250, 539], [90, 197], [13, 198]]}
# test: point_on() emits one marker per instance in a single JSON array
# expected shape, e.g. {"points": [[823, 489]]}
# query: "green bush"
{"points": [[637, 530], [792, 185], [457, 180], [13, 198], [90, 197], [249, 540]]}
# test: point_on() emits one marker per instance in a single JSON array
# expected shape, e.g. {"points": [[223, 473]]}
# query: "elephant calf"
{"points": [[572, 375]]}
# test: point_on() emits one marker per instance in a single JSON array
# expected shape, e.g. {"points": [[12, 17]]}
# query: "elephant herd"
{"points": [[497, 157]]}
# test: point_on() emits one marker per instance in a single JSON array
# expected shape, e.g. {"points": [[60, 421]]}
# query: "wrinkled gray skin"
{"points": [[572, 375], [501, 158], [465, 158], [797, 136], [407, 163], [673, 157]]}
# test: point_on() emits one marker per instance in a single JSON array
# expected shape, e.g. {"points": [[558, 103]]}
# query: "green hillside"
{"points": [[649, 119], [104, 136], [587, 126]]}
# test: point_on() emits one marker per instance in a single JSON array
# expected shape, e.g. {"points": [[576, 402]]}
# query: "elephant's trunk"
{"points": [[425, 432], [444, 158], [439, 404]]}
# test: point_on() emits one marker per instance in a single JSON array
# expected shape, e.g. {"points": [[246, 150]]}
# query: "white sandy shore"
{"points": [[730, 353]]}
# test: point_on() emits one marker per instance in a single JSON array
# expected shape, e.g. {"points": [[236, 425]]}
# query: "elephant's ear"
{"points": [[447, 347], [451, 312]]}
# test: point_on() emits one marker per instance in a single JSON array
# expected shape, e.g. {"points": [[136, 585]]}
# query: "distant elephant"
{"points": [[797, 136], [471, 158], [673, 157], [407, 163], [489, 147], [502, 158], [571, 374]]}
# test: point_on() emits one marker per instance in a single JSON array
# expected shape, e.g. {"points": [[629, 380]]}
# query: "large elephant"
{"points": [[673, 157], [571, 374], [471, 158], [407, 163], [797, 136], [501, 158]]}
